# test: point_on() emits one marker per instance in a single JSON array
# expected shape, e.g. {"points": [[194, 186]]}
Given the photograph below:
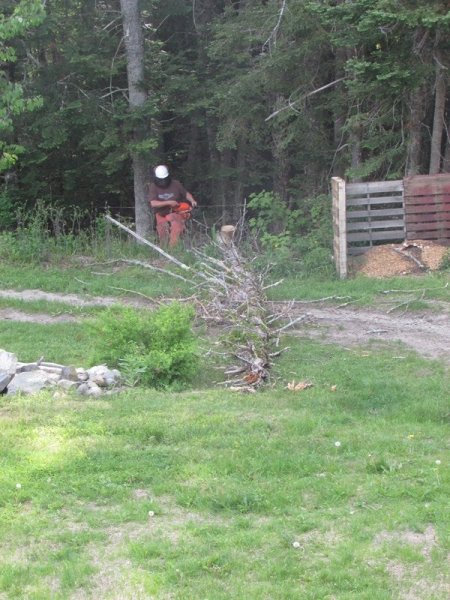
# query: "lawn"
{"points": [[339, 491]]}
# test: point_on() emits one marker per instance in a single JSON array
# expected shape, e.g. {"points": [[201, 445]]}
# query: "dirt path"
{"points": [[427, 333]]}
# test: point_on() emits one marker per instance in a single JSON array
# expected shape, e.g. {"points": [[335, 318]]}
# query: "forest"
{"points": [[242, 99]]}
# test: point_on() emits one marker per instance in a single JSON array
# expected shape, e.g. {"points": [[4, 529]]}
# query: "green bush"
{"points": [[155, 349], [294, 241]]}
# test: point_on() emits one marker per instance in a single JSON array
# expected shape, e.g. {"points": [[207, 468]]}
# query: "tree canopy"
{"points": [[237, 97]]}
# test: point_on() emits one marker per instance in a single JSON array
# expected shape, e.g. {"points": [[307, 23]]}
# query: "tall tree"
{"points": [[134, 44], [24, 15], [440, 99]]}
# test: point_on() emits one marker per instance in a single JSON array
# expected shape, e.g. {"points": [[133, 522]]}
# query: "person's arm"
{"points": [[190, 198], [163, 203], [155, 202]]}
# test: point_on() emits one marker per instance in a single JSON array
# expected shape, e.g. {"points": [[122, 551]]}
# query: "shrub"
{"points": [[294, 241], [156, 349]]}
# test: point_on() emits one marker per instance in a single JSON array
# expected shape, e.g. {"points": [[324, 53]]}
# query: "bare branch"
{"points": [[273, 35], [147, 243], [291, 104]]}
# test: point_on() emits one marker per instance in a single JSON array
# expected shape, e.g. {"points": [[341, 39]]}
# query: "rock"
{"points": [[97, 374], [67, 384], [112, 377], [69, 373], [8, 365], [82, 374], [5, 378], [103, 376], [30, 382], [30, 378], [94, 390], [89, 388], [83, 389]]}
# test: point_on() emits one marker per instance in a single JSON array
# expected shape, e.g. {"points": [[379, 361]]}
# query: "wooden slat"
{"points": [[365, 225], [426, 218], [356, 250], [419, 208], [339, 216], [376, 235], [430, 226], [382, 212], [438, 200], [375, 200], [441, 236], [374, 186], [427, 184]]}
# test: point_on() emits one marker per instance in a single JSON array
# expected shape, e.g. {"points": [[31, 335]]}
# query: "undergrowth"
{"points": [[155, 349]]}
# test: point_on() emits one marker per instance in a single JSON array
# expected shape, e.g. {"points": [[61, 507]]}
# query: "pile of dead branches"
{"points": [[230, 294]]}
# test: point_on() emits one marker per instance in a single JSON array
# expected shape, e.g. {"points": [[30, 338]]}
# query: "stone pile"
{"points": [[29, 378]]}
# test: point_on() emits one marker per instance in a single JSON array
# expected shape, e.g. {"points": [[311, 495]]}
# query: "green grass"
{"points": [[66, 343], [417, 293], [235, 483], [49, 308], [91, 280], [339, 491], [365, 291]]}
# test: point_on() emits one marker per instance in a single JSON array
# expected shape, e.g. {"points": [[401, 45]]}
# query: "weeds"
{"points": [[50, 233]]}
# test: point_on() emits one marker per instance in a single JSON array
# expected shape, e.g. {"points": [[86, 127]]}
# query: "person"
{"points": [[171, 204]]}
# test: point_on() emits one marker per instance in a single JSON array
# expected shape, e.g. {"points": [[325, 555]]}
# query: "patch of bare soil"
{"points": [[10, 314], [71, 299], [413, 579], [425, 541], [115, 578], [427, 334]]}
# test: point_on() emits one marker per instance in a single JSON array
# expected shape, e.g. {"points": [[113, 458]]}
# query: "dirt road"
{"points": [[427, 333]]}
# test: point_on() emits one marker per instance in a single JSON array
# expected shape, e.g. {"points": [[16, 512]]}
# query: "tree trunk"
{"points": [[446, 161], [438, 119], [339, 110], [241, 155], [134, 45], [355, 135], [355, 144], [281, 174], [414, 147]]}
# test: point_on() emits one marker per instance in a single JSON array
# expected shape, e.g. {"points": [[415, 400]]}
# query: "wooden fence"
{"points": [[373, 213], [427, 207]]}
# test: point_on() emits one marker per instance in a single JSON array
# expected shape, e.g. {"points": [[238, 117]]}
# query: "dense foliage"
{"points": [[241, 97], [155, 349]]}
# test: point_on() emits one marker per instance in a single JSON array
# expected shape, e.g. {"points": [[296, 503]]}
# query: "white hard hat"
{"points": [[161, 172]]}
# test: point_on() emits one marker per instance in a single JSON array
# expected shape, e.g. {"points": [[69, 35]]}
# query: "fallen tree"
{"points": [[230, 294]]}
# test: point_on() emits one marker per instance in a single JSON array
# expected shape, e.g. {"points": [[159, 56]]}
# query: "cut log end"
{"points": [[227, 234]]}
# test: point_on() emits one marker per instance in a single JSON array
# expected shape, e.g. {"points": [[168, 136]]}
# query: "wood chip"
{"points": [[389, 260]]}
